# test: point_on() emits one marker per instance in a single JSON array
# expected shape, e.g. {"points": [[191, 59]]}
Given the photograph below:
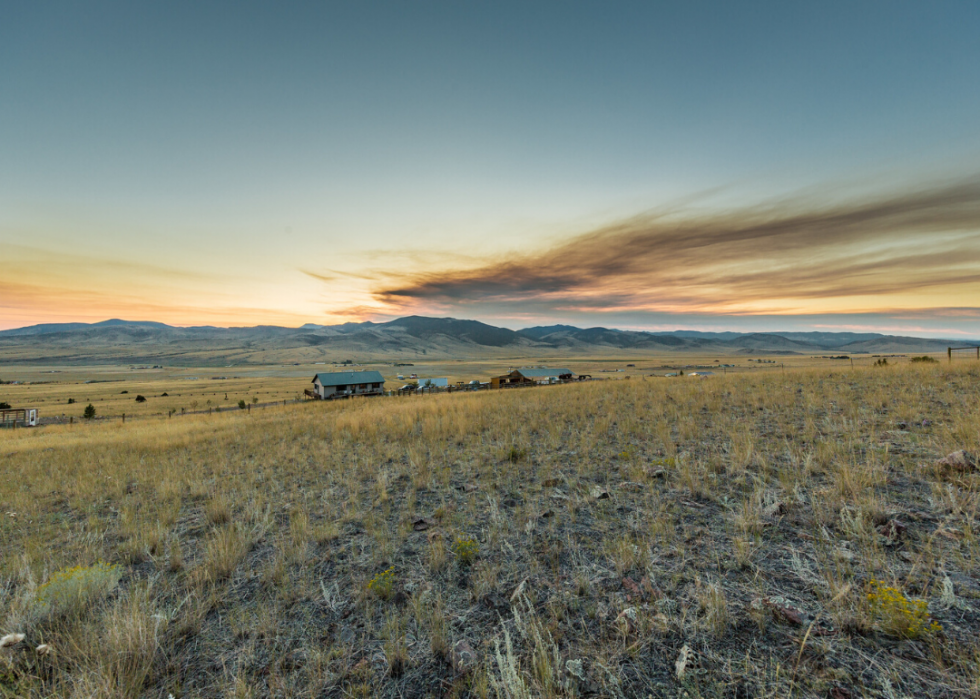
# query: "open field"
{"points": [[112, 389], [768, 533]]}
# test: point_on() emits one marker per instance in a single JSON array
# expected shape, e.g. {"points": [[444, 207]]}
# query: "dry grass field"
{"points": [[770, 534]]}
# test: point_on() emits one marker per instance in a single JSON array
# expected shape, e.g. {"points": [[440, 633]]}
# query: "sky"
{"points": [[702, 165]]}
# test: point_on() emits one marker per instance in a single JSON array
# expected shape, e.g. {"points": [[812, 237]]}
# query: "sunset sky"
{"points": [[703, 165]]}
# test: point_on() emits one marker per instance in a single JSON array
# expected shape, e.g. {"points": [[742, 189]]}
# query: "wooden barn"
{"points": [[344, 384], [531, 377]]}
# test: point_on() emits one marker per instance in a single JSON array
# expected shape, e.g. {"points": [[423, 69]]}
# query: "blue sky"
{"points": [[237, 163]]}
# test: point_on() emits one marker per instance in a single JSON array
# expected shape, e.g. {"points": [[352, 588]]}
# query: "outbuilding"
{"points": [[18, 417], [531, 377], [344, 384]]}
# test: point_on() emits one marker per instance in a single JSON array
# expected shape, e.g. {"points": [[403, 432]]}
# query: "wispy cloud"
{"points": [[906, 248]]}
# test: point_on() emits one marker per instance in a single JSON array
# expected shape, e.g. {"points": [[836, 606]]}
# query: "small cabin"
{"points": [[345, 384], [18, 417]]}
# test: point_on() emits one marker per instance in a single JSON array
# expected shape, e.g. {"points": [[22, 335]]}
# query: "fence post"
{"points": [[124, 418], [949, 354]]}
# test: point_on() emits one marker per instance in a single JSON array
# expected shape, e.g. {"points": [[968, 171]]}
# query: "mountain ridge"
{"points": [[118, 340]]}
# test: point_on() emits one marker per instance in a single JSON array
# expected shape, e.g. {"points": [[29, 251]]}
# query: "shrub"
{"points": [[70, 592], [924, 359], [516, 454], [881, 362], [241, 404], [140, 399], [89, 412], [897, 615], [71, 401], [4, 405], [466, 550], [382, 584]]}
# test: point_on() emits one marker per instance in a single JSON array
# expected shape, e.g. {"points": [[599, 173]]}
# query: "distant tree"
{"points": [[164, 395], [4, 405], [255, 399], [122, 392], [89, 412], [140, 399], [70, 401], [241, 404]]}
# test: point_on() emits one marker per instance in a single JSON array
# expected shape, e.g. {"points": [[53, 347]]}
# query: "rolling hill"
{"points": [[120, 341]]}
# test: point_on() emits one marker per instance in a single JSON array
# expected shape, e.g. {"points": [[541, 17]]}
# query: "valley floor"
{"points": [[780, 534]]}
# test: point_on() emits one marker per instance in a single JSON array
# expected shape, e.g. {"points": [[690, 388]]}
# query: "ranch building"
{"points": [[344, 384], [531, 377]]}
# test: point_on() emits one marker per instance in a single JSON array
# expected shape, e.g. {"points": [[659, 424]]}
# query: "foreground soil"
{"points": [[783, 535]]}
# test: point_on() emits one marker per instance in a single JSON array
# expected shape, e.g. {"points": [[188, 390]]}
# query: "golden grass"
{"points": [[605, 527]]}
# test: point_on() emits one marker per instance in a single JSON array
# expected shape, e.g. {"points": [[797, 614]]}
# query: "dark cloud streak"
{"points": [[801, 248]]}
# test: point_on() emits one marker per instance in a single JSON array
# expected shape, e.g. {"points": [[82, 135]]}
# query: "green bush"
{"points": [[383, 584], [925, 359], [70, 592], [89, 412], [241, 404], [466, 550]]}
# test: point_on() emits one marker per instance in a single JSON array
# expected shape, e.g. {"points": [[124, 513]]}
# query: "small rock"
{"points": [[774, 510], [464, 658], [961, 461], [627, 620], [628, 613], [420, 525], [575, 669], [902, 425], [893, 530], [547, 513], [11, 639], [680, 665], [600, 494], [785, 610]]}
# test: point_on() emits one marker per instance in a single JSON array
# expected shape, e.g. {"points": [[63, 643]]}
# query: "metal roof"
{"points": [[544, 373], [344, 378]]}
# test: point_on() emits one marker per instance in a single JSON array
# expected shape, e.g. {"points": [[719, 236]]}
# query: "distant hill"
{"points": [[120, 341]]}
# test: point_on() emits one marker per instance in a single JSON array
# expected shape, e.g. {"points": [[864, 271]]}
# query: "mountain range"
{"points": [[120, 341]]}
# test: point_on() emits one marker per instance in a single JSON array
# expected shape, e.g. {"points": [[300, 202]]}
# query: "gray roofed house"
{"points": [[342, 384]]}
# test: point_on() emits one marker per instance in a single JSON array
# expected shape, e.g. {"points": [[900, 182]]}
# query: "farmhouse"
{"points": [[531, 377], [342, 384]]}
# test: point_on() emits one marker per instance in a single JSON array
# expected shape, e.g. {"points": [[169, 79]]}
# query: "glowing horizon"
{"points": [[757, 168]]}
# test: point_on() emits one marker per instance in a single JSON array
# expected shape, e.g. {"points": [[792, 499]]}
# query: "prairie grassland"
{"points": [[766, 535]]}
